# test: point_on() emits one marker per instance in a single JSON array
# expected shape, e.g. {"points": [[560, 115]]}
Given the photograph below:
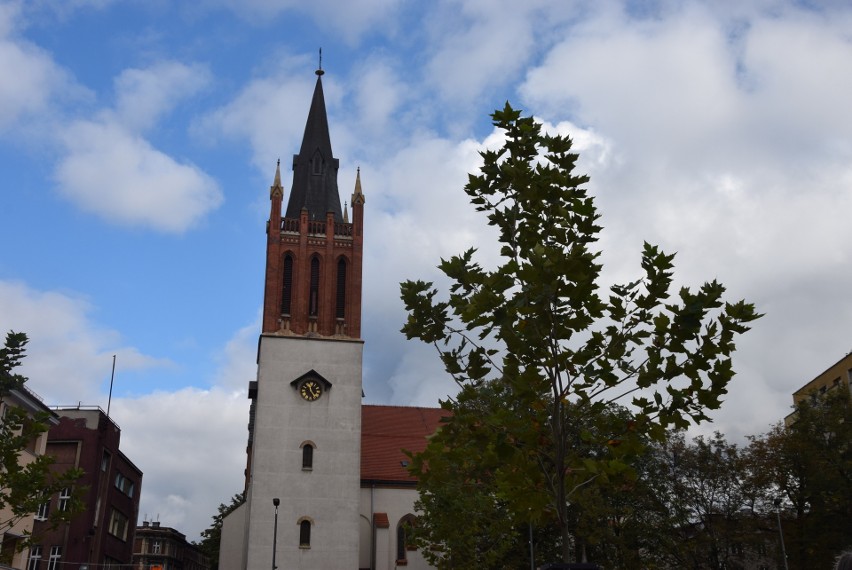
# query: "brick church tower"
{"points": [[303, 473]]}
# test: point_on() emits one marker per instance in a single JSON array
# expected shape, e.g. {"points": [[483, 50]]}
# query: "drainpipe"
{"points": [[372, 530]]}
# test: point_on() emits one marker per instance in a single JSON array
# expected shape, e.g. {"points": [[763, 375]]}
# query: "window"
{"points": [[305, 534], [402, 533], [287, 290], [124, 484], [313, 294], [307, 457], [35, 557], [64, 499], [43, 511], [341, 289], [55, 557], [400, 544], [155, 547], [105, 462], [118, 525]]}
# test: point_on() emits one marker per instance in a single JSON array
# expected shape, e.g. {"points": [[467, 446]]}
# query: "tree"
{"points": [[538, 325], [26, 484], [466, 521], [212, 536], [715, 515], [807, 467]]}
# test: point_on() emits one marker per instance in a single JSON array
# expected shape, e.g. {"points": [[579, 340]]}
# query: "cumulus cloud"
{"points": [[144, 95], [480, 45], [69, 356], [111, 172], [69, 360], [32, 78], [726, 146], [106, 167], [269, 112], [175, 436]]}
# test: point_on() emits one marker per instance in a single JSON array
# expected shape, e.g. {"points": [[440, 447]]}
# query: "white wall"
{"points": [[397, 503], [328, 493]]}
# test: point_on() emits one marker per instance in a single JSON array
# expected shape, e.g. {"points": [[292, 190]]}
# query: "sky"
{"points": [[138, 141]]}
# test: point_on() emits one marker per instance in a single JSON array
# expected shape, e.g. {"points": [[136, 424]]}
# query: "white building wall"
{"points": [[232, 541], [397, 503], [328, 493]]}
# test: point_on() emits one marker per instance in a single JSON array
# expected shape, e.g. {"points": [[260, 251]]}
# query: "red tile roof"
{"points": [[386, 431], [380, 520]]}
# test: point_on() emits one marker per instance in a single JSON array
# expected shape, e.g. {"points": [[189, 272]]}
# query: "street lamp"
{"points": [[275, 502], [777, 503]]}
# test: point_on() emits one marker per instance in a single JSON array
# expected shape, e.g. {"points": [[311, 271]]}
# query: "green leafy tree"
{"points": [[466, 520], [539, 325], [26, 483], [807, 467], [212, 536]]}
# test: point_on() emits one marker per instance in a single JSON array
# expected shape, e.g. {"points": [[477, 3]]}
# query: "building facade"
{"points": [[12, 552], [102, 535], [158, 547], [838, 376], [316, 496]]}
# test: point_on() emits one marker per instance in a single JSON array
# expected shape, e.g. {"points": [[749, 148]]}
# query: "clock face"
{"points": [[310, 390]]}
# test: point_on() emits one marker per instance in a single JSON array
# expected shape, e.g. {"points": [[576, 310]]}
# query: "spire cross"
{"points": [[319, 71]]}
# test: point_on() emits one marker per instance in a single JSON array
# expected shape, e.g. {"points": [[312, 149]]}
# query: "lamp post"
{"points": [[275, 502], [777, 503]]}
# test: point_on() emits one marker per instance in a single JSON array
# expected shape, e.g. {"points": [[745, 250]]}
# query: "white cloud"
{"points": [[31, 77], [180, 439], [110, 170], [69, 357], [172, 436], [144, 95], [378, 95], [119, 176], [270, 112], [799, 74], [237, 362]]}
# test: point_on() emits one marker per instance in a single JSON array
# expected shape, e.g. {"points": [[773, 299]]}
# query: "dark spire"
{"points": [[315, 168]]}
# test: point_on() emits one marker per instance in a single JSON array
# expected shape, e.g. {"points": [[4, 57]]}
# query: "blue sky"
{"points": [[138, 140]]}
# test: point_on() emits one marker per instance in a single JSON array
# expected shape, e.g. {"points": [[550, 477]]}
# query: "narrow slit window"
{"points": [[287, 290], [400, 543], [314, 288], [340, 310]]}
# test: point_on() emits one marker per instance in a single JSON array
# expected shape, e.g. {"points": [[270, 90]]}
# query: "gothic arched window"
{"points": [[313, 293], [403, 530], [305, 533], [287, 288], [340, 308]]}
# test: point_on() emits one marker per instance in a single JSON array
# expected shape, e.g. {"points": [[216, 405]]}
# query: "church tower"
{"points": [[303, 472]]}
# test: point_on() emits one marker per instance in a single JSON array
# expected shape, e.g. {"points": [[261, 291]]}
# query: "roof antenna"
{"points": [[320, 71]]}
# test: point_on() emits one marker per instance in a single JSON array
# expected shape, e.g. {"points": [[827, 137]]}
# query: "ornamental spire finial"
{"points": [[319, 69]]}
